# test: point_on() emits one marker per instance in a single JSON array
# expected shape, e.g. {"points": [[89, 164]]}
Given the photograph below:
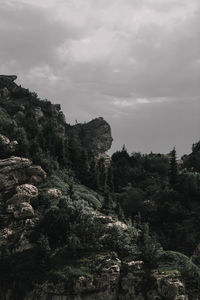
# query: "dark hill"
{"points": [[76, 224]]}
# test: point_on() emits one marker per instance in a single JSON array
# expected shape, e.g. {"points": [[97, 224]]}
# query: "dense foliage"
{"points": [[156, 197], [164, 192]]}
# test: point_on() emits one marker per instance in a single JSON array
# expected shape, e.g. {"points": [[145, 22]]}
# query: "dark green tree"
{"points": [[93, 180], [173, 170], [110, 179], [102, 175], [44, 250], [150, 249]]}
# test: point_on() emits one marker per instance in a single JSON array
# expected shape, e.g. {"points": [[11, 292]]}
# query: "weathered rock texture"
{"points": [[7, 78], [17, 170], [54, 193], [19, 204], [114, 281], [7, 84], [95, 135], [103, 285], [17, 173], [7, 147]]}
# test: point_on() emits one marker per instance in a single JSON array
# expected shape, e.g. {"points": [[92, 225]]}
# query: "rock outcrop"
{"points": [[7, 146], [95, 135], [7, 84], [103, 285], [17, 173], [17, 170], [7, 78], [19, 204], [113, 280], [54, 193]]}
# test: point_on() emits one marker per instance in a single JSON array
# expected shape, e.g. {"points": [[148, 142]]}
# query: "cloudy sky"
{"points": [[134, 62]]}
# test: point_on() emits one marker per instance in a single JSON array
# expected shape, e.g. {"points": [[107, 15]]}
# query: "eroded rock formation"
{"points": [[95, 136], [17, 170], [17, 176], [7, 84]]}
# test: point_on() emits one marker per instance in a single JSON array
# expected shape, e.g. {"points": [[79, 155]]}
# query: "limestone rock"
{"points": [[36, 174], [170, 288], [106, 158], [104, 219], [118, 224], [25, 193], [98, 135], [23, 211], [135, 264], [6, 146], [29, 223], [19, 204], [4, 140], [28, 190], [17, 170], [131, 280], [95, 135], [13, 163], [54, 193], [12, 172], [5, 233], [7, 84]]}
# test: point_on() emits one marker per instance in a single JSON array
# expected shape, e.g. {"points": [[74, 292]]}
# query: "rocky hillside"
{"points": [[64, 234]]}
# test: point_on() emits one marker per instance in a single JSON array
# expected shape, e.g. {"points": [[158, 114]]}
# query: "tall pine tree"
{"points": [[173, 170]]}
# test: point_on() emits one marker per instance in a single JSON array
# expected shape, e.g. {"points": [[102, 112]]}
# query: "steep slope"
{"points": [[61, 239]]}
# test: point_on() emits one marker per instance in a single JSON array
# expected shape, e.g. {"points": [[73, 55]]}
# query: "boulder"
{"points": [[7, 84], [4, 140], [28, 190], [54, 193], [170, 288], [8, 77], [13, 172], [36, 174], [95, 136], [23, 211], [17, 170], [13, 163], [25, 193], [6, 146]]}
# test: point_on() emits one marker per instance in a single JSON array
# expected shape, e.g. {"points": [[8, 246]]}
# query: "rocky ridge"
{"points": [[90, 263]]}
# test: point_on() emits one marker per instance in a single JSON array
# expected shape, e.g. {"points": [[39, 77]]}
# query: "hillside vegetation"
{"points": [[77, 224]]}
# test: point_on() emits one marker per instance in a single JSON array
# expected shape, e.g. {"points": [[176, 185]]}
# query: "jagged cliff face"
{"points": [[97, 135], [94, 137], [7, 84]]}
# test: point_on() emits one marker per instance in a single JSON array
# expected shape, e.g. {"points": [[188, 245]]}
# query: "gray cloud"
{"points": [[137, 63]]}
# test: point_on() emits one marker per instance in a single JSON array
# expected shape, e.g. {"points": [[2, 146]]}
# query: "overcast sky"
{"points": [[134, 62]]}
